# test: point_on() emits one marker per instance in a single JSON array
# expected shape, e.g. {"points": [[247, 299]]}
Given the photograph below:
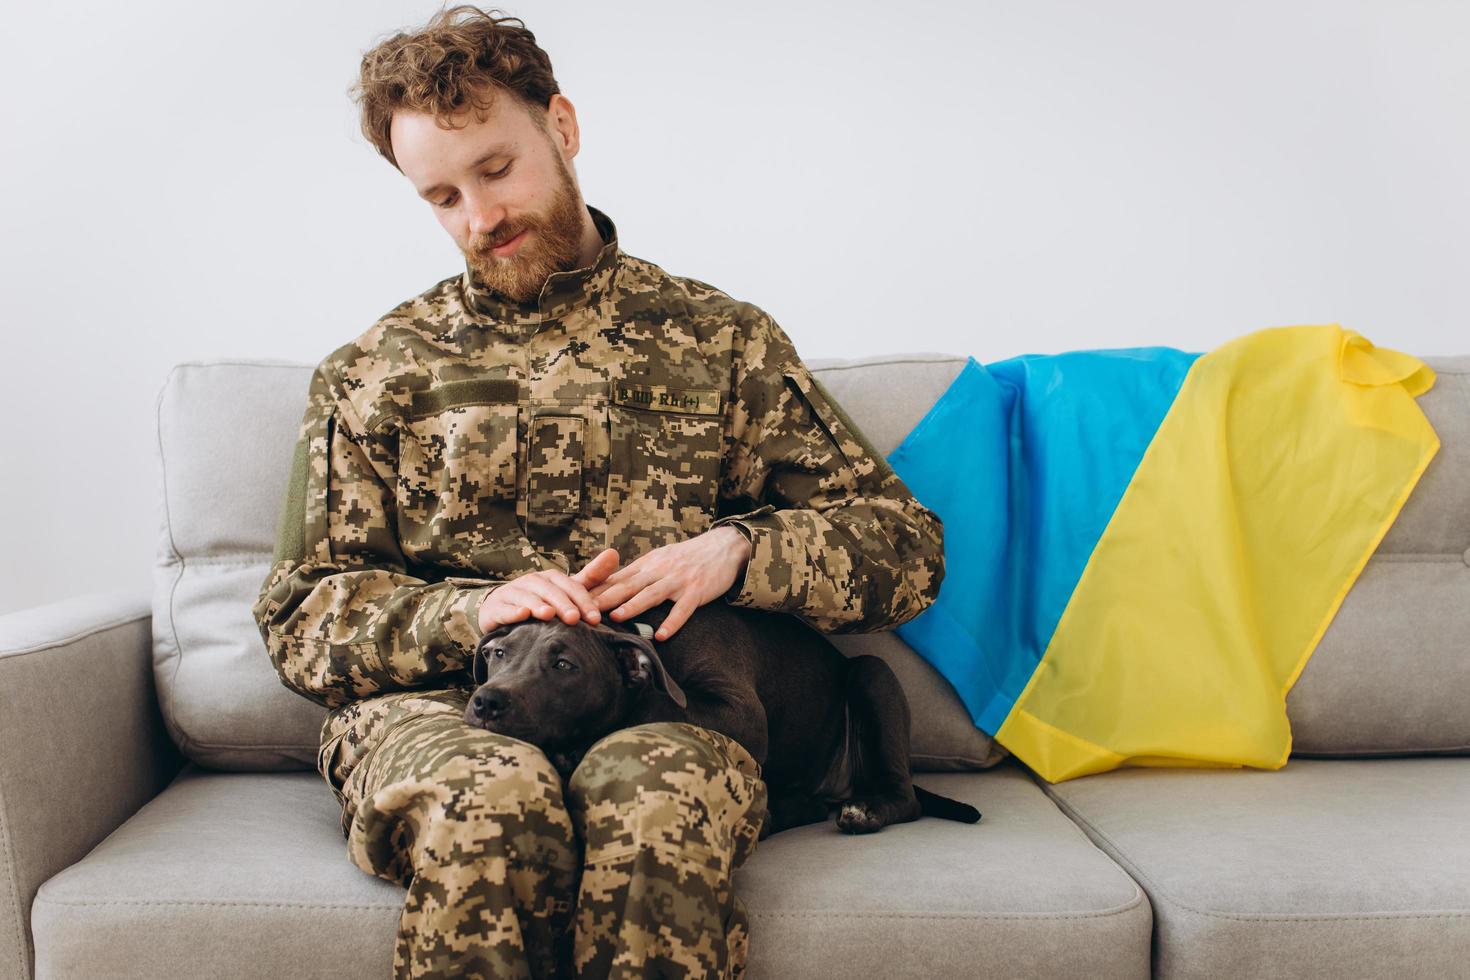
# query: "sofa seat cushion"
{"points": [[220, 875], [1023, 893], [247, 875], [1324, 868]]}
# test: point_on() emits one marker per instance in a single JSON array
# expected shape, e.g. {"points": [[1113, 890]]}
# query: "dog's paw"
{"points": [[856, 817]]}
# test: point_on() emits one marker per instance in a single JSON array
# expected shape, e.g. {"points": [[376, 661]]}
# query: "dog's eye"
{"points": [[563, 663], [499, 652]]}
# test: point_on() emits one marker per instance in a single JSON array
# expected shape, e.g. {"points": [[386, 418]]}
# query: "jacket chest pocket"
{"points": [[663, 473], [457, 468], [556, 452]]}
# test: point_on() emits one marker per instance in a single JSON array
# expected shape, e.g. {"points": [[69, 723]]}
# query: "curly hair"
{"points": [[448, 66]]}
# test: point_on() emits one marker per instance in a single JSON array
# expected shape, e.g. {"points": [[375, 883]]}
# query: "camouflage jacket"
{"points": [[464, 440]]}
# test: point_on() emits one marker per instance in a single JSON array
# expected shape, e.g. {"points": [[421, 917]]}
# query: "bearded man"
{"points": [[558, 430]]}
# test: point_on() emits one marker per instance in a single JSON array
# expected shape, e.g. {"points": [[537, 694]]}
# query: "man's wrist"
{"points": [[744, 547], [743, 544], [462, 618]]}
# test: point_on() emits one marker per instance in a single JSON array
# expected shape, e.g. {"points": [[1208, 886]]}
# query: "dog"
{"points": [[825, 728]]}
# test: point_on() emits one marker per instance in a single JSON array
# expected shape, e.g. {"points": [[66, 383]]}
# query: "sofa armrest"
{"points": [[82, 743]]}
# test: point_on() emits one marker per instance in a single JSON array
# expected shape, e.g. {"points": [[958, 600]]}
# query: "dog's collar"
{"points": [[642, 629]]}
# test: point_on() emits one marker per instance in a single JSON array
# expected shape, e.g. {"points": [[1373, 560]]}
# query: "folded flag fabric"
{"points": [[1143, 546]]}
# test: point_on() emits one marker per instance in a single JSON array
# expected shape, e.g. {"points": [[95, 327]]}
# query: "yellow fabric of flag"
{"points": [[1283, 460]]}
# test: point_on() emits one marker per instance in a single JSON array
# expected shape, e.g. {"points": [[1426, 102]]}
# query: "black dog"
{"points": [[824, 727]]}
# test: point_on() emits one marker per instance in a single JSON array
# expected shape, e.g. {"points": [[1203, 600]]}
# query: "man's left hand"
{"points": [[690, 572]]}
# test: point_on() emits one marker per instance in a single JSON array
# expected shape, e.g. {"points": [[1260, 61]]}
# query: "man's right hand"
{"points": [[548, 593]]}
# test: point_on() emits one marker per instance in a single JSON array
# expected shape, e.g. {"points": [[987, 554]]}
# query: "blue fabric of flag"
{"points": [[1024, 460]]}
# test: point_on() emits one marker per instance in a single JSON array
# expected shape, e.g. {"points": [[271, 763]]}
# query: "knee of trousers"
{"points": [[469, 795], [666, 784]]}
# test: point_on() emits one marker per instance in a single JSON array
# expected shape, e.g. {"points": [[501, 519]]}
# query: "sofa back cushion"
{"points": [[1390, 675], [224, 429]]}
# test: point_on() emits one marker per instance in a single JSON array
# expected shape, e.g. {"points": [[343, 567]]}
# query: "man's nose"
{"points": [[486, 214]]}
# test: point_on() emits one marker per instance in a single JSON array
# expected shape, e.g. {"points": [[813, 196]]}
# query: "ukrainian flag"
{"points": [[1143, 546]]}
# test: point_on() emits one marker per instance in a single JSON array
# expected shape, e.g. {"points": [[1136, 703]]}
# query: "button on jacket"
{"points": [[464, 440]]}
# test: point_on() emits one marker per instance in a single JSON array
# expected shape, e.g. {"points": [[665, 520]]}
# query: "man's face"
{"points": [[501, 188]]}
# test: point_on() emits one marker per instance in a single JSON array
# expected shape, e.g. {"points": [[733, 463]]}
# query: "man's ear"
{"points": [[641, 666], [561, 125]]}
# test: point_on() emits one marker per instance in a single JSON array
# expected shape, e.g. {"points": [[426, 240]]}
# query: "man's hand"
{"points": [[546, 593], [690, 572]]}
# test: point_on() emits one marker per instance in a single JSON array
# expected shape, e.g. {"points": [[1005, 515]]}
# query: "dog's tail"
{"points": [[934, 805]]}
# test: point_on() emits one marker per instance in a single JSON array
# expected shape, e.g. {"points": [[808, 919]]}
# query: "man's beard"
{"points": [[554, 246]]}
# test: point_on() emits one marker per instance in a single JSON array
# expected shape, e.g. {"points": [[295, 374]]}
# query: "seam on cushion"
{"points": [[1445, 752], [168, 520], [1293, 918], [165, 700], [1129, 906], [229, 558], [1424, 557], [285, 749], [75, 637], [245, 363], [251, 747], [940, 359], [1117, 854], [213, 903], [175, 729]]}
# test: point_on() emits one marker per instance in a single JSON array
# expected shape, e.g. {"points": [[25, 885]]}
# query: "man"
{"points": [[495, 449]]}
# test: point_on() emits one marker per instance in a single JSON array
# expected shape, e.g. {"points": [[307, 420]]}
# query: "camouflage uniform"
{"points": [[464, 440]]}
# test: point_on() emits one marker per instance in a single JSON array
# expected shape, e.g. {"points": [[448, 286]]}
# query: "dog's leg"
{"points": [[789, 808], [882, 790]]}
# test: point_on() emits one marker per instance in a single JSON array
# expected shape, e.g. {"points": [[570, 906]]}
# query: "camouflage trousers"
{"points": [[621, 870]]}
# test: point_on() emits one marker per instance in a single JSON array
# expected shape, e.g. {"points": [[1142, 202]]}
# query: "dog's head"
{"points": [[556, 686]]}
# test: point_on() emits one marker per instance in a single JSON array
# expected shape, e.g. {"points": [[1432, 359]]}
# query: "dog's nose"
{"points": [[488, 704]]}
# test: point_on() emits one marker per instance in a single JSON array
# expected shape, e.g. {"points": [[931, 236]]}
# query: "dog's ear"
{"points": [[641, 664], [479, 666]]}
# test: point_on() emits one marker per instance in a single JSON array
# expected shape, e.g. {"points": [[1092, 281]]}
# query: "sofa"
{"points": [[161, 815]]}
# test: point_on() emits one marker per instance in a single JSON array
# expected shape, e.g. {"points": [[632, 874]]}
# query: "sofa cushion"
{"points": [[1392, 672], [1020, 894], [225, 435], [226, 430], [220, 875], [1324, 868], [256, 862]]}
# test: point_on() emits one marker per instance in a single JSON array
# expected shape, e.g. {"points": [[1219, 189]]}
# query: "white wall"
{"points": [[187, 181]]}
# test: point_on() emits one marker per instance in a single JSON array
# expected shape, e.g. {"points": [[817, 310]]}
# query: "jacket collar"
{"points": [[562, 292]]}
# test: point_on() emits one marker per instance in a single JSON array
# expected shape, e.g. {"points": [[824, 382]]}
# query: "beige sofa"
{"points": [[160, 815]]}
